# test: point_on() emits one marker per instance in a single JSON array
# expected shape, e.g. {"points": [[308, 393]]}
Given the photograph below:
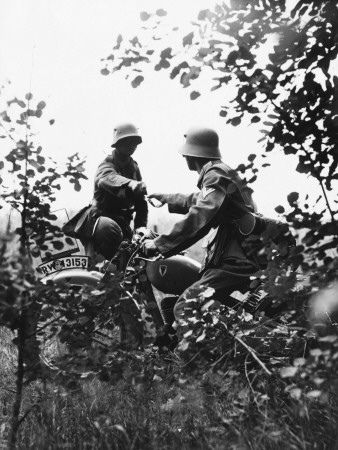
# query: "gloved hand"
{"points": [[160, 199], [145, 233], [149, 248], [138, 187]]}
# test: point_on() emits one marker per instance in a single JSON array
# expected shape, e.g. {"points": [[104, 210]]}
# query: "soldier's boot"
{"points": [[167, 334]]}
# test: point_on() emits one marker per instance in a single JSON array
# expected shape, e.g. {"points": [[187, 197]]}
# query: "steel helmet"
{"points": [[125, 130], [201, 143]]}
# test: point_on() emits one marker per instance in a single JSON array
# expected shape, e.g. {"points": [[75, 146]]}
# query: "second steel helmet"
{"points": [[201, 143], [125, 130]]}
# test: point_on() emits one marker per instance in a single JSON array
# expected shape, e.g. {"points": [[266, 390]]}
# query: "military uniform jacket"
{"points": [[112, 198], [222, 199]]}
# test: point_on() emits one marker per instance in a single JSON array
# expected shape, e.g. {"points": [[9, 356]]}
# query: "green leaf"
{"points": [[4, 116], [187, 40], [194, 95], [255, 119], [269, 147], [280, 209], [41, 105], [161, 12], [137, 81], [144, 16], [292, 198], [166, 53], [314, 394], [232, 57], [288, 372], [202, 15], [135, 42], [235, 121], [18, 102], [296, 393], [33, 163], [289, 150], [30, 173], [183, 345], [105, 71], [214, 88], [303, 168], [201, 337], [118, 42], [176, 70], [29, 96]]}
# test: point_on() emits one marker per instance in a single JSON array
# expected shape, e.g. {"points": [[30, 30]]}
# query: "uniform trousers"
{"points": [[107, 237], [232, 275]]}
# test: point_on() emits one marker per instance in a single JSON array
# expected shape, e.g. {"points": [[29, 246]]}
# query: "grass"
{"points": [[155, 404]]}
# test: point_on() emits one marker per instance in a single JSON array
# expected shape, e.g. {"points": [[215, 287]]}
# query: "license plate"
{"points": [[67, 262]]}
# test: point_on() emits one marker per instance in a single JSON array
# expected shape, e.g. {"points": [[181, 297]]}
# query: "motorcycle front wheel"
{"points": [[81, 354]]}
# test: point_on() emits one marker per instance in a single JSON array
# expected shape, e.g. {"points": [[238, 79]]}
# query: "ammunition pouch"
{"points": [[255, 223], [257, 231]]}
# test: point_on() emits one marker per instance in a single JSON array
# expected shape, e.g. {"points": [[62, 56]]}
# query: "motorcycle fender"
{"points": [[173, 275], [77, 277]]}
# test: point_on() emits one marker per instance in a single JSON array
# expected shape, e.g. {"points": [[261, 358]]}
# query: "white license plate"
{"points": [[67, 262]]}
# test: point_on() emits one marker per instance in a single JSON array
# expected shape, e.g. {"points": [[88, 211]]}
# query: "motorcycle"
{"points": [[145, 286], [147, 290]]}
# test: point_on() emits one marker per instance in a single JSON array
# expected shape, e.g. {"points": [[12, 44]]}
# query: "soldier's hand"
{"points": [[149, 248], [138, 187], [157, 199], [145, 233]]}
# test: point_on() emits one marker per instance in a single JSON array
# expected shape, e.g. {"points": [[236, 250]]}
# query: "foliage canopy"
{"points": [[274, 63]]}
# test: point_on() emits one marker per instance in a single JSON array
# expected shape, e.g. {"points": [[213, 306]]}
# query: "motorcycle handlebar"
{"points": [[134, 247], [154, 202]]}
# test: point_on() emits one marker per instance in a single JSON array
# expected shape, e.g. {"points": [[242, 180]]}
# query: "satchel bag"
{"points": [[74, 227]]}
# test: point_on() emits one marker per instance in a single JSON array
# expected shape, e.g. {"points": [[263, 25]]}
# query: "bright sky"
{"points": [[53, 48]]}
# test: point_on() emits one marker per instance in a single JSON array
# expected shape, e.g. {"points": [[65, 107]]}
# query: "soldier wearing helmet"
{"points": [[222, 198], [119, 198]]}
